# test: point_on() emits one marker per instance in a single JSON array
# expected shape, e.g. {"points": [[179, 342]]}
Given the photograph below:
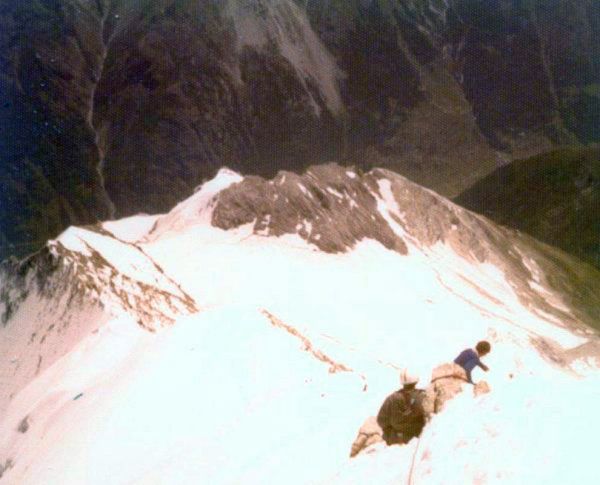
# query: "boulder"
{"points": [[447, 381], [368, 434]]}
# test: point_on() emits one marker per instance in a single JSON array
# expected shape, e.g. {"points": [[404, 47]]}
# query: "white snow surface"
{"points": [[128, 258], [131, 229], [237, 392], [198, 208]]}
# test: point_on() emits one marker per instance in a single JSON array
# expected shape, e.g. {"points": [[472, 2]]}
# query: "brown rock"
{"points": [[447, 381], [368, 434]]}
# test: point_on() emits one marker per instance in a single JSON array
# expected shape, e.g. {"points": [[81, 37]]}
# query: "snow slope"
{"points": [[275, 352]]}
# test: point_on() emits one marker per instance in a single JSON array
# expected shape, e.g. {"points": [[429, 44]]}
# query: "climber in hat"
{"points": [[402, 415]]}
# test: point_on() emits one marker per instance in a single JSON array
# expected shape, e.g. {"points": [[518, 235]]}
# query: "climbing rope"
{"points": [[412, 465]]}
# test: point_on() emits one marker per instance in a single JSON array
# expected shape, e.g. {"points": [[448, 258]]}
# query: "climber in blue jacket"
{"points": [[468, 359]]}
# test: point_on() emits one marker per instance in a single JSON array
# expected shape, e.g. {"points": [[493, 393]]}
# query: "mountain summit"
{"points": [[110, 108], [245, 335]]}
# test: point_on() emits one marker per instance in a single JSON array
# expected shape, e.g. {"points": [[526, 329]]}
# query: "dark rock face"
{"points": [[112, 107], [49, 158], [520, 61], [327, 206]]}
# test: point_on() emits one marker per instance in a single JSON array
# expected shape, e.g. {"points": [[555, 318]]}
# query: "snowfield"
{"points": [[289, 350]]}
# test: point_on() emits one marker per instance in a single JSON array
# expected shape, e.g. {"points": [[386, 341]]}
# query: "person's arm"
{"points": [[482, 365]]}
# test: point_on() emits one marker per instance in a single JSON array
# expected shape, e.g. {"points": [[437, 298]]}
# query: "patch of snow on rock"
{"points": [[198, 208], [288, 27]]}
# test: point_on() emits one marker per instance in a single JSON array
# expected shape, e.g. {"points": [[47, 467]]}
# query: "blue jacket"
{"points": [[468, 359]]}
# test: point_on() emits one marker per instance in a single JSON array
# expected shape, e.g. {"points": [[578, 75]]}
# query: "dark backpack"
{"points": [[403, 405], [413, 404]]}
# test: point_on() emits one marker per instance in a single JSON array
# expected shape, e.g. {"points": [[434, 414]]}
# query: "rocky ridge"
{"points": [[113, 107], [275, 353], [83, 276], [63, 293], [333, 208]]}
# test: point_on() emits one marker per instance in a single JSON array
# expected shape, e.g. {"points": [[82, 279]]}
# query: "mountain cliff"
{"points": [[112, 107]]}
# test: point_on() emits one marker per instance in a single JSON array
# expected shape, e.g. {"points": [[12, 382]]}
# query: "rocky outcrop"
{"points": [[369, 433], [71, 291], [447, 380], [85, 278], [333, 208], [307, 344], [330, 207], [116, 107]]}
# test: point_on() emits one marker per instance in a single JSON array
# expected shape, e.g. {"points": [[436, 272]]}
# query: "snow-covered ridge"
{"points": [[93, 267], [333, 209], [294, 303], [196, 209], [55, 298]]}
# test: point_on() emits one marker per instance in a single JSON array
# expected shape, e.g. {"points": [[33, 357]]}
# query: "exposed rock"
{"points": [[86, 278], [368, 434], [447, 380], [62, 295], [481, 388], [7, 465], [333, 208], [115, 107], [328, 206], [308, 345], [24, 425]]}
